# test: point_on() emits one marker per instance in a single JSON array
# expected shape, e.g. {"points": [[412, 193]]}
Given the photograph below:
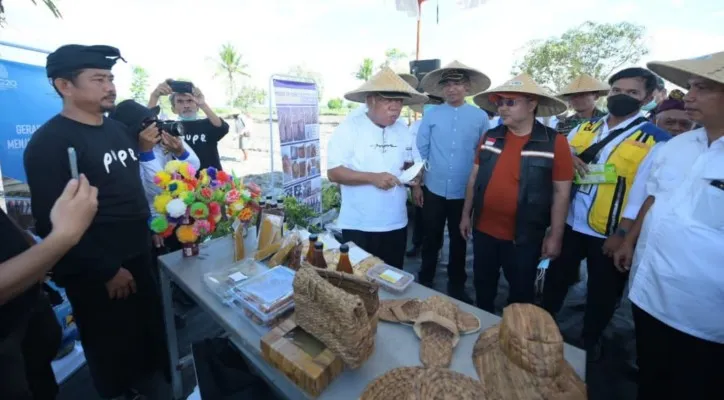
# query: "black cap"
{"points": [[344, 248], [133, 114], [318, 245], [453, 75], [313, 237], [73, 57]]}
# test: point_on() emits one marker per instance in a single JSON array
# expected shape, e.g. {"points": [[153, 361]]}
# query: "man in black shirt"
{"points": [[29, 333], [107, 275], [203, 135]]}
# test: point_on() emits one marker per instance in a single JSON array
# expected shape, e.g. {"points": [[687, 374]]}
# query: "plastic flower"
{"points": [[176, 187], [204, 177], [191, 184], [223, 177], [161, 179], [159, 224], [254, 189], [173, 166], [246, 195], [246, 214], [205, 194], [212, 172], [212, 223], [168, 232], [202, 227], [232, 196], [161, 201], [219, 196], [199, 211], [187, 171], [214, 208], [176, 208], [187, 197], [186, 234], [234, 208]]}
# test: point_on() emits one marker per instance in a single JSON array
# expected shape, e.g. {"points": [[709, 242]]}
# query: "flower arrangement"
{"points": [[198, 206]]}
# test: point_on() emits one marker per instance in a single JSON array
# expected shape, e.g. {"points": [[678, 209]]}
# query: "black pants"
{"points": [[418, 227], [26, 354], [675, 365], [519, 263], [123, 340], [436, 211], [605, 282], [389, 246]]}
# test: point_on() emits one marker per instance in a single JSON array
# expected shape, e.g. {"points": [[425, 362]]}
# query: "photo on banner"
{"points": [[298, 119], [27, 101]]}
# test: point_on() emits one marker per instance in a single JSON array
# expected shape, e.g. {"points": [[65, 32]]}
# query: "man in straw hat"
{"points": [[366, 154], [581, 95], [677, 276], [418, 231], [609, 153], [519, 186], [409, 78], [446, 140]]}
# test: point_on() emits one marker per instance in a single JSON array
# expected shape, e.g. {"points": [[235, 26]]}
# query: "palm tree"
{"points": [[48, 3], [230, 66]]}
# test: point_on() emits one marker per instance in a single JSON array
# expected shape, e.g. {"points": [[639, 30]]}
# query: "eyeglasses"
{"points": [[506, 102]]}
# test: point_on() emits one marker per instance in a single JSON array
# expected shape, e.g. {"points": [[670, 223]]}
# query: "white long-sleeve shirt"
{"points": [[153, 161]]}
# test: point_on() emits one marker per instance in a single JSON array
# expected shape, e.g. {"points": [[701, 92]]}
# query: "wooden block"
{"points": [[302, 358]]}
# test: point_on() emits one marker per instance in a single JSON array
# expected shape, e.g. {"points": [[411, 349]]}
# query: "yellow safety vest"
{"points": [[610, 199]]}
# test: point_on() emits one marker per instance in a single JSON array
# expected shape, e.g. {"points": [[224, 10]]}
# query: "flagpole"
{"points": [[419, 18]]}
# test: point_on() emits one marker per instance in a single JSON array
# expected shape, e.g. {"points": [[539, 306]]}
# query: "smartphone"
{"points": [[73, 161], [181, 86]]}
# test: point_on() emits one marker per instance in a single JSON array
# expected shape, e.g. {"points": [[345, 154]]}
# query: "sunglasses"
{"points": [[506, 102]]}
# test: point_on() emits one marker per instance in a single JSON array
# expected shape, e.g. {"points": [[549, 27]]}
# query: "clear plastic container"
{"points": [[266, 295], [390, 278], [222, 281]]}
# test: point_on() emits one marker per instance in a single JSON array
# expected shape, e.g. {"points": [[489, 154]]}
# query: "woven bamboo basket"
{"points": [[355, 285], [335, 317]]}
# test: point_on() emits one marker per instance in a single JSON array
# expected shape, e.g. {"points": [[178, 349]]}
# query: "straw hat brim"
{"points": [[410, 79], [360, 96], [478, 81], [600, 92], [503, 379], [679, 72], [548, 106]]}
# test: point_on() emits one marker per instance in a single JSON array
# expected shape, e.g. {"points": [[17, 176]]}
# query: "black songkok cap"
{"points": [[453, 75], [73, 57]]}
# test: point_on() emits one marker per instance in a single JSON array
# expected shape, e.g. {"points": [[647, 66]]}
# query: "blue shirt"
{"points": [[447, 139]]}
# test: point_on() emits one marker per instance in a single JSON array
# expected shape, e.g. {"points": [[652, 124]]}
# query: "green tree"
{"points": [[230, 65], [335, 104], [591, 48], [302, 71], [50, 4], [365, 70], [139, 84], [393, 57], [249, 96]]}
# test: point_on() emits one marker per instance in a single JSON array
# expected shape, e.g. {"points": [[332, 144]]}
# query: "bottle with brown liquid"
{"points": [[319, 260], [344, 265], [309, 257], [409, 159]]}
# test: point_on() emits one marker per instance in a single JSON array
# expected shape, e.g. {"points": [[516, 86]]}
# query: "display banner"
{"points": [[27, 100], [298, 119]]}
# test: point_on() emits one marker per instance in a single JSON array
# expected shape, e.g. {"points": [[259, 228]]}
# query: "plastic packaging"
{"points": [[390, 278], [267, 295], [223, 281]]}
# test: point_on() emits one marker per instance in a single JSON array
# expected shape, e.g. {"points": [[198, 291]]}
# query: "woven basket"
{"points": [[366, 290], [336, 318], [395, 384], [441, 383]]}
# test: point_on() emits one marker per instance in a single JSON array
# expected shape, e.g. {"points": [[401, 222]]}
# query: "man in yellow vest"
{"points": [[608, 154], [581, 95]]}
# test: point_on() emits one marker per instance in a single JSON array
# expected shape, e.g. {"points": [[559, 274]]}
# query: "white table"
{"points": [[395, 346]]}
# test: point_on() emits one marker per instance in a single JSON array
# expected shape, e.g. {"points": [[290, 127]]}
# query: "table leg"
{"points": [[171, 338]]}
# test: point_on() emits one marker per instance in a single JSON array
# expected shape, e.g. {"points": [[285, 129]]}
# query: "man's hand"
{"points": [[580, 166], [163, 89], [551, 248], [384, 180], [418, 195], [623, 257], [157, 241], [466, 226], [198, 97], [173, 144], [612, 244], [148, 138], [74, 210], [121, 285]]}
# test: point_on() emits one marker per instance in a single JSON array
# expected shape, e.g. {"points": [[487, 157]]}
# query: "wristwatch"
{"points": [[621, 232]]}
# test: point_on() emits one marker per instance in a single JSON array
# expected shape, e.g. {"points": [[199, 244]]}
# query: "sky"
{"points": [[180, 38]]}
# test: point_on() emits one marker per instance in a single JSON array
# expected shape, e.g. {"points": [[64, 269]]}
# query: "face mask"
{"points": [[621, 105], [187, 118], [650, 106], [428, 107]]}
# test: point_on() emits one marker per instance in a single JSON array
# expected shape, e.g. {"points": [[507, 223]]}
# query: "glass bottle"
{"points": [[319, 260], [344, 265], [268, 202], [309, 257], [409, 159]]}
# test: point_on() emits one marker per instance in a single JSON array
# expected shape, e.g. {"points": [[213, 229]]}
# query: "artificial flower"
{"points": [[219, 196], [186, 234], [161, 179], [222, 177], [246, 195], [173, 166], [176, 187], [199, 210], [188, 197], [159, 224], [205, 194], [202, 227], [232, 196], [161, 201], [187, 171], [246, 214], [176, 208], [168, 232], [212, 172]]}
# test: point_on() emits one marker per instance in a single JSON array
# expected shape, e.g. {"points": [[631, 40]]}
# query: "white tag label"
{"points": [[237, 276], [356, 255], [391, 276]]}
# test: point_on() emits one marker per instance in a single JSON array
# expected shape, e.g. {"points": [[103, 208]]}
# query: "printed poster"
{"points": [[27, 100], [298, 119]]}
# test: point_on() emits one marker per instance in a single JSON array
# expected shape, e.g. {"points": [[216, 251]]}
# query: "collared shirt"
{"points": [[360, 145], [680, 274], [447, 139], [582, 201]]}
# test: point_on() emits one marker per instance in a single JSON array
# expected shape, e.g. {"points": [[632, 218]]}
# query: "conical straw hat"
{"points": [[710, 66], [432, 99], [585, 84], [478, 80], [386, 82], [548, 105], [410, 79]]}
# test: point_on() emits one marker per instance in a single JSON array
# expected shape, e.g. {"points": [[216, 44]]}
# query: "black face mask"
{"points": [[621, 105]]}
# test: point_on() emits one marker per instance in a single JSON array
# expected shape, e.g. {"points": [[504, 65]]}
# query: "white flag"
{"points": [[411, 7]]}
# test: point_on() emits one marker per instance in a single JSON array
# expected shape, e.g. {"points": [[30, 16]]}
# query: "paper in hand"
{"points": [[411, 173]]}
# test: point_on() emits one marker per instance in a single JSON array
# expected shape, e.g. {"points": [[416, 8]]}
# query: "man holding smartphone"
{"points": [[203, 135]]}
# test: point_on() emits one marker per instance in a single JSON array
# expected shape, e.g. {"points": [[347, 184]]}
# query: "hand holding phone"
{"points": [[181, 86]]}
